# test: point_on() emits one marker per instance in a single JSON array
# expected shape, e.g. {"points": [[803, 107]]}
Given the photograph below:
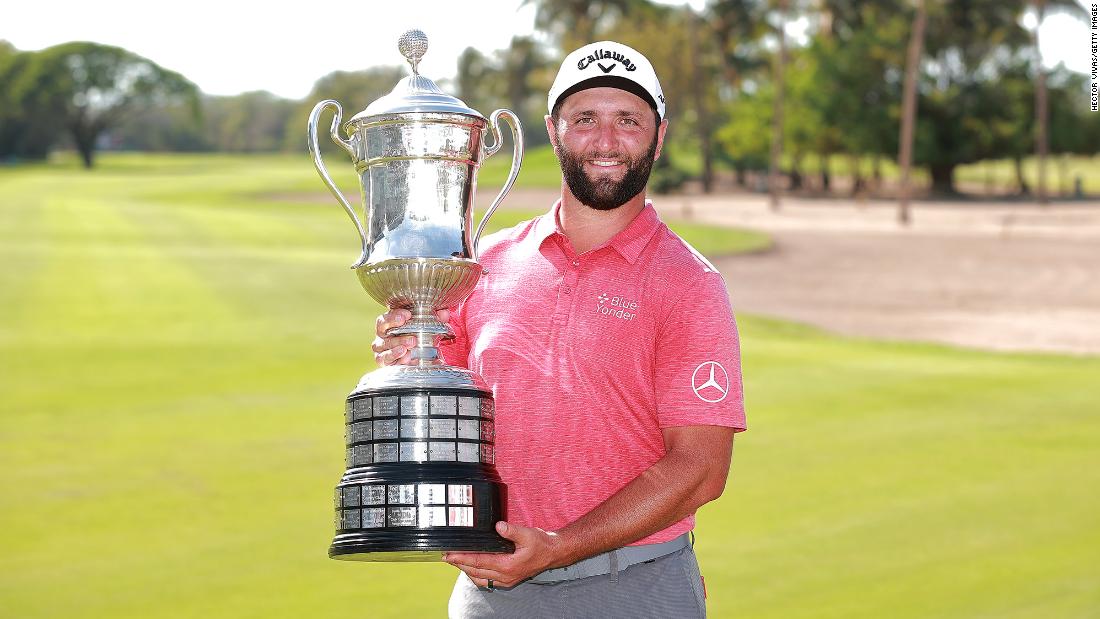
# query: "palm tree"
{"points": [[1042, 114], [1042, 117], [909, 109], [777, 117], [702, 114]]}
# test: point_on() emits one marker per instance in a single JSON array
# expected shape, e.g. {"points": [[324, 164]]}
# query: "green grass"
{"points": [[175, 348]]}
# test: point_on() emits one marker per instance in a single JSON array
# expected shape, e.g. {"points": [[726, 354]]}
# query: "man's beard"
{"points": [[605, 194]]}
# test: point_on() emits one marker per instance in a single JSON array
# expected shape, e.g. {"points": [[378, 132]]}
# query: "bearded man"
{"points": [[613, 357]]}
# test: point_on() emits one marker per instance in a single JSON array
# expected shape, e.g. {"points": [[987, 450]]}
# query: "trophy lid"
{"points": [[415, 93]]}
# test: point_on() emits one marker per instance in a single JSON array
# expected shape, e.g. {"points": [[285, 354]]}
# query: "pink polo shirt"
{"points": [[589, 356]]}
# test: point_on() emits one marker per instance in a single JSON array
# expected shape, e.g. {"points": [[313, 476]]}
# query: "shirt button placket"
{"points": [[569, 285]]}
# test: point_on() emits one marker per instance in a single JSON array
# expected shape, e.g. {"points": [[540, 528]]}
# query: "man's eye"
{"points": [[584, 121], [630, 121]]}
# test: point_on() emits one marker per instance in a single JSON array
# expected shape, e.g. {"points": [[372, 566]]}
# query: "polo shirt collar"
{"points": [[547, 224], [629, 242]]}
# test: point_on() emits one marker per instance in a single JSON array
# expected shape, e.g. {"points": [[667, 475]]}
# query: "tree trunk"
{"points": [[702, 118], [857, 175], [1042, 118], [84, 139], [825, 179], [909, 111], [1021, 182], [777, 116], [943, 178], [1063, 175], [87, 156]]}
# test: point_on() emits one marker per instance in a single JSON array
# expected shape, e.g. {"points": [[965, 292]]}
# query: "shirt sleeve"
{"points": [[697, 374], [457, 351]]}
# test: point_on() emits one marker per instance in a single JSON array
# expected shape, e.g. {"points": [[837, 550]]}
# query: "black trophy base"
{"points": [[417, 545], [411, 512]]}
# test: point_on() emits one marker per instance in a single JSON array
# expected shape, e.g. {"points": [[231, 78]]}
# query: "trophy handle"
{"points": [[315, 150], [517, 161]]}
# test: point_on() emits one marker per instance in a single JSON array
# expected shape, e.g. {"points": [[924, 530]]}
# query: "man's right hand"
{"points": [[395, 350]]}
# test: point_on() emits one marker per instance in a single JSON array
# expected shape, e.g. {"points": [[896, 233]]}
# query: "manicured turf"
{"points": [[176, 342]]}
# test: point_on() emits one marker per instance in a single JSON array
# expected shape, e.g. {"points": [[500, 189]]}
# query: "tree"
{"points": [[516, 77], [247, 123], [524, 80], [746, 135], [355, 90], [1042, 111], [177, 127], [476, 75], [574, 23], [858, 49], [777, 112], [29, 111], [969, 43], [736, 27], [909, 108], [92, 88]]}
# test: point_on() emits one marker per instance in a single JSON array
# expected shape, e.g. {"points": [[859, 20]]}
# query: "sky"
{"points": [[231, 46]]}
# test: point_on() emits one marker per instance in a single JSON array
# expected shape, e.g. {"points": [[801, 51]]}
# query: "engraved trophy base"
{"points": [[420, 479], [467, 525]]}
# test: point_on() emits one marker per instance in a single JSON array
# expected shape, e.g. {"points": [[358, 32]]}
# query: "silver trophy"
{"points": [[420, 478]]}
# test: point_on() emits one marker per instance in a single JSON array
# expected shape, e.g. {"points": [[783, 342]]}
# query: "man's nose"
{"points": [[606, 138]]}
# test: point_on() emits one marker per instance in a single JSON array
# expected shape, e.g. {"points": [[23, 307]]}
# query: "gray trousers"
{"points": [[666, 587]]}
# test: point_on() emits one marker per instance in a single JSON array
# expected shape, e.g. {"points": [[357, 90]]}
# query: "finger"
{"points": [[443, 315], [392, 356], [475, 574], [474, 559], [382, 344], [490, 567], [524, 537], [509, 531], [398, 355], [391, 319], [459, 559], [392, 350]]}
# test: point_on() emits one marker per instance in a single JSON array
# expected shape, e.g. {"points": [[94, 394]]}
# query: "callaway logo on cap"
{"points": [[607, 63]]}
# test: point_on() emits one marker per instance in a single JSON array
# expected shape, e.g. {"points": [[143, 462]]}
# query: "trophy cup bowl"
{"points": [[422, 285], [420, 438]]}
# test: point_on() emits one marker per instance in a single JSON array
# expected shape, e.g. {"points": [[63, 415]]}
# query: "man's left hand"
{"points": [[536, 550]]}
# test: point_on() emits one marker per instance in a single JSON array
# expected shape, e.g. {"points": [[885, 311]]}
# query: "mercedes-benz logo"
{"points": [[717, 383]]}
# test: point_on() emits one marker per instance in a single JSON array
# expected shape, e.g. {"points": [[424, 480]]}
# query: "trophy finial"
{"points": [[412, 45]]}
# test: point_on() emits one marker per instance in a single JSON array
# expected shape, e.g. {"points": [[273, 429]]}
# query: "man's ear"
{"points": [[661, 128], [551, 130]]}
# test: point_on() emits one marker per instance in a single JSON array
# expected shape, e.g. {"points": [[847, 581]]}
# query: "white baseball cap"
{"points": [[607, 63]]}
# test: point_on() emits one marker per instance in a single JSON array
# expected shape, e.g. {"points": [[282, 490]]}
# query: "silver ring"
{"points": [[490, 586]]}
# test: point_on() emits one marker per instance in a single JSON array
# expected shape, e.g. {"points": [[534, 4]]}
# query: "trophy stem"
{"points": [[426, 351], [428, 331]]}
